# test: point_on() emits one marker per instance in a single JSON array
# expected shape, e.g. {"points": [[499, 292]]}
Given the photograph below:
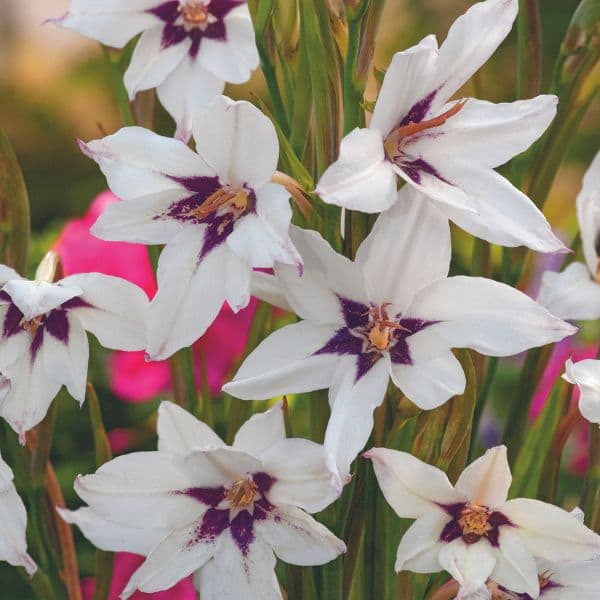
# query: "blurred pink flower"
{"points": [[131, 377], [125, 565]]}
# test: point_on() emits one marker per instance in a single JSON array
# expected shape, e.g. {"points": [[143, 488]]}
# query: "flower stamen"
{"points": [[194, 12], [474, 521], [237, 199], [379, 331], [242, 493], [31, 327]]}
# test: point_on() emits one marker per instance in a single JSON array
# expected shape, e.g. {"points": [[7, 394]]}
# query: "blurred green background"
{"points": [[55, 87]]}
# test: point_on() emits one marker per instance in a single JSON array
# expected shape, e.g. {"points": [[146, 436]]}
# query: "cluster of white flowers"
{"points": [[197, 505]]}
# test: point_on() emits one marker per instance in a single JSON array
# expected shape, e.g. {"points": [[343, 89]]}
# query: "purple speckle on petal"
{"points": [[214, 523]]}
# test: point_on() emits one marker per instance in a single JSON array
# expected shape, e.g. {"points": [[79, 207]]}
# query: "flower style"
{"points": [[223, 512], [13, 545], [216, 211], [575, 293], [392, 312], [187, 49], [447, 150], [586, 375], [43, 344], [471, 530]]}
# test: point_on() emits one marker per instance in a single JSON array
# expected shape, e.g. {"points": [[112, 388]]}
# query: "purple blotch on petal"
{"points": [[343, 342], [12, 321], [399, 351], [264, 481], [77, 302], [365, 362], [57, 325], [356, 314], [214, 523], [209, 496], [167, 11], [414, 169], [419, 110], [242, 531]]}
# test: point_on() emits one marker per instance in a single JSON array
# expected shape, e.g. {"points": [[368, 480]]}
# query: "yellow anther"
{"points": [[379, 337], [242, 493], [475, 521], [194, 12]]}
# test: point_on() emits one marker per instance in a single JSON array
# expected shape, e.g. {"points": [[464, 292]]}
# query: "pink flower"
{"points": [[131, 377], [125, 565]]}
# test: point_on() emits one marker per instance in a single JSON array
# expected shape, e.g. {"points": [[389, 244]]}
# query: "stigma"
{"points": [[242, 493], [233, 200]]}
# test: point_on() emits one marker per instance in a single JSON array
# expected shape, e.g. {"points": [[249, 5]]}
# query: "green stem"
{"points": [[353, 93], [482, 396], [592, 495], [529, 82], [119, 88], [40, 584]]}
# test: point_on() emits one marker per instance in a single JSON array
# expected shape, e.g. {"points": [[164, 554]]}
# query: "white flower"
{"points": [[575, 293], [223, 512], [586, 375], [471, 530], [187, 49], [43, 344], [391, 313], [13, 521], [216, 211], [447, 150]]}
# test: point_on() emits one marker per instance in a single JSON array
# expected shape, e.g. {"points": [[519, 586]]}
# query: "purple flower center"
{"points": [[193, 19], [472, 522], [411, 128], [370, 332], [235, 507], [54, 322], [214, 204]]}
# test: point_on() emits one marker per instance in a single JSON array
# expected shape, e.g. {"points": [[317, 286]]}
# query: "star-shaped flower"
{"points": [[471, 530], [447, 149], [223, 512], [43, 344], [575, 292], [13, 545], [187, 49], [216, 211], [391, 313]]}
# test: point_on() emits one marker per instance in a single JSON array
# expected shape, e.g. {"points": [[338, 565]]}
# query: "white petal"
{"points": [[301, 475], [586, 374], [503, 215], [138, 490], [486, 481], [482, 314], [580, 579], [15, 344], [410, 486], [361, 178], [219, 466], [111, 22], [190, 295], [515, 567], [406, 82], [230, 575], [513, 126], [189, 86], [138, 162], [179, 431], [140, 220], [286, 363], [113, 537], [13, 522], [471, 40], [31, 393], [268, 288], [570, 294], [263, 238], [35, 298], [391, 257], [431, 382], [151, 63], [550, 532], [588, 213], [7, 273], [234, 59], [298, 539], [66, 362], [261, 431], [352, 404], [469, 564], [176, 557], [238, 141], [328, 277], [237, 274], [116, 311], [420, 546]]}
